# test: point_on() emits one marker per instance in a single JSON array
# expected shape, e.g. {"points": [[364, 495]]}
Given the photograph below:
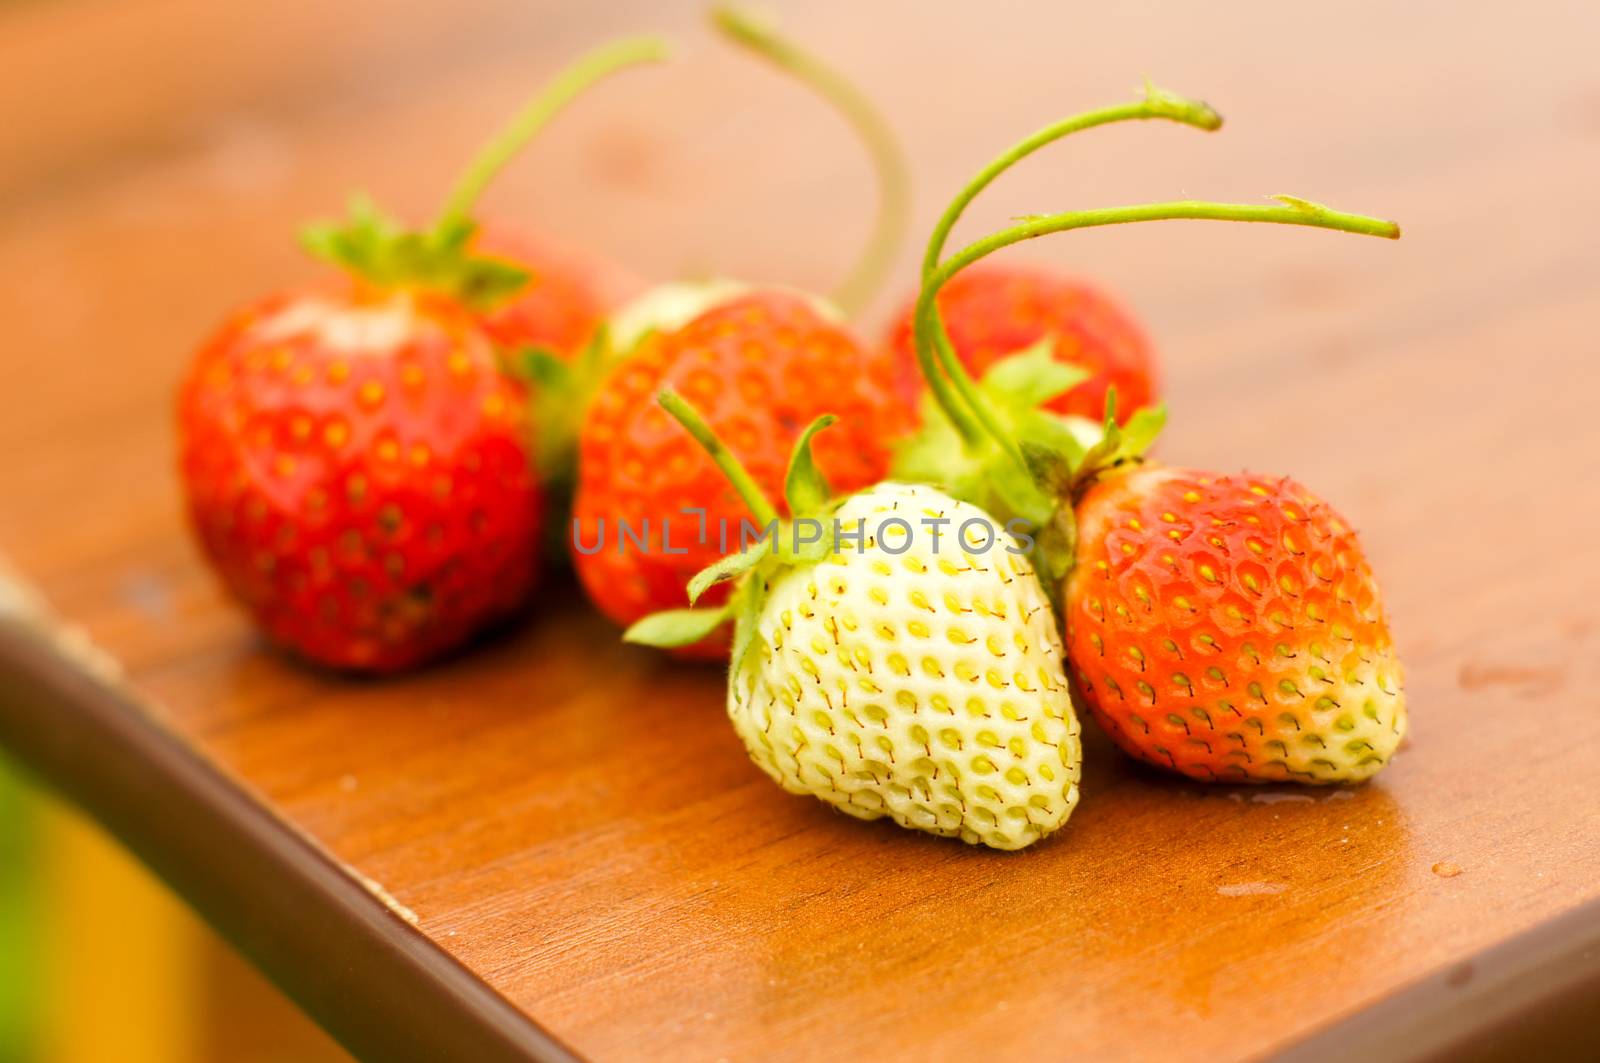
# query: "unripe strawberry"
{"points": [[924, 684], [1229, 628], [894, 655]]}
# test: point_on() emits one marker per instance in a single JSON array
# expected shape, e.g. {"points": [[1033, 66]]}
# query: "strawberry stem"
{"points": [[737, 474], [1156, 103], [1290, 210], [888, 232], [562, 90]]}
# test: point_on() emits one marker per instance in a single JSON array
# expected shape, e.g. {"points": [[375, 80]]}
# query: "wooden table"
{"points": [[554, 843]]}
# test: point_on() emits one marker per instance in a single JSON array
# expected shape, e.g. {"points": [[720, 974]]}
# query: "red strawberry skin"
{"points": [[1229, 628], [567, 296], [992, 310], [357, 471], [759, 368]]}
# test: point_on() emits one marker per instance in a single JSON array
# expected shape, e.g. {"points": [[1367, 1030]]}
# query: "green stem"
{"points": [[1157, 103], [566, 87], [1290, 210], [931, 344], [737, 474], [894, 209]]}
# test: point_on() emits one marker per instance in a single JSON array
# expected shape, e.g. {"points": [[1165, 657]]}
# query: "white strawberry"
{"points": [[909, 666]]}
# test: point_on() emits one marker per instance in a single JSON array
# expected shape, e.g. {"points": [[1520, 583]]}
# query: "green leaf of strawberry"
{"points": [[375, 247], [677, 627], [726, 568], [804, 488], [1016, 388], [378, 249], [1031, 377]]}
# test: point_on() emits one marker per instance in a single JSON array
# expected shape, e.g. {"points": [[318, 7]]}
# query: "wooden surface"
{"points": [[574, 820]]}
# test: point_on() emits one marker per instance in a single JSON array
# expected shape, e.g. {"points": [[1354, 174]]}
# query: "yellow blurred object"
{"points": [[122, 957], [127, 973]]}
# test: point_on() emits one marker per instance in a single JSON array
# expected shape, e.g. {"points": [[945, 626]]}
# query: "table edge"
{"points": [[333, 943], [1534, 995], [70, 717]]}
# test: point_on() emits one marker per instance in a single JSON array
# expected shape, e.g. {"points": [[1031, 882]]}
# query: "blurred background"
{"points": [[98, 961], [181, 141]]}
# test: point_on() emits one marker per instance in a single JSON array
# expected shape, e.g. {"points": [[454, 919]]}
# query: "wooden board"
{"points": [[572, 820]]}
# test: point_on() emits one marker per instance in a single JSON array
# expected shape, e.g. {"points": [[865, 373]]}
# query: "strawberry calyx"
{"points": [[1061, 454], [807, 497], [385, 255], [1064, 477], [559, 391], [1017, 389], [1054, 469]]}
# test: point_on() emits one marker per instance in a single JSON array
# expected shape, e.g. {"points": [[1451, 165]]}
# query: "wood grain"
{"points": [[575, 822]]}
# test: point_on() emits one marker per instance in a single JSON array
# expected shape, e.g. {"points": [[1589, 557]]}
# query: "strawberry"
{"points": [[900, 672], [991, 311], [762, 360], [761, 366], [1229, 628], [357, 466], [358, 474], [1224, 627]]}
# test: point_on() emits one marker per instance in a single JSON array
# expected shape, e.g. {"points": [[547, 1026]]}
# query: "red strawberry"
{"points": [[357, 465], [760, 368], [357, 470], [762, 362], [1229, 628], [991, 311], [1224, 627]]}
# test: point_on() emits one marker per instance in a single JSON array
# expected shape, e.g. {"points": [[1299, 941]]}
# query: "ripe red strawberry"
{"points": [[762, 362], [1229, 628], [1224, 627], [357, 465], [357, 470], [760, 367], [991, 311]]}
